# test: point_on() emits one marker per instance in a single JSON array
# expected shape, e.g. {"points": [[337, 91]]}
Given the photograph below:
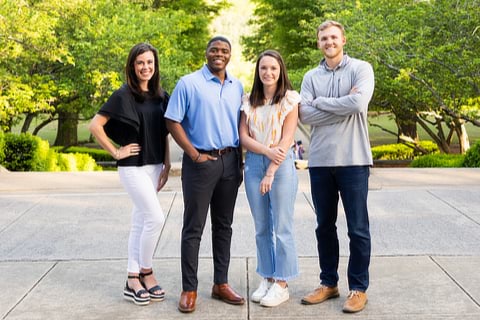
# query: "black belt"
{"points": [[217, 152]]}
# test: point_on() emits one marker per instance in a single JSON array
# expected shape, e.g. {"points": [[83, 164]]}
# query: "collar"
{"points": [[210, 76], [345, 59]]}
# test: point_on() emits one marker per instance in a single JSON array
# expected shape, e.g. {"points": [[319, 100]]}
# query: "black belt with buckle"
{"points": [[217, 152]]}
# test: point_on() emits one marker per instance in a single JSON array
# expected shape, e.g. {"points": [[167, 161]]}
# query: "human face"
{"points": [[144, 68], [218, 55], [269, 71], [331, 42]]}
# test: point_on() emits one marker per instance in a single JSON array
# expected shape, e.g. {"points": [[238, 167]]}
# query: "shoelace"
{"points": [[353, 293], [323, 287]]}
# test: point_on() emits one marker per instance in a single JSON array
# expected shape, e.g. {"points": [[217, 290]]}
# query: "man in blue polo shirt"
{"points": [[203, 115]]}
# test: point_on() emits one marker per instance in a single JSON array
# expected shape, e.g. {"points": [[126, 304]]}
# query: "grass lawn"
{"points": [[377, 136], [380, 137]]}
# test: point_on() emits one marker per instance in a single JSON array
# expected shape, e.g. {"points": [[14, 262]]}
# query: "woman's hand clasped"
{"points": [[276, 154]]}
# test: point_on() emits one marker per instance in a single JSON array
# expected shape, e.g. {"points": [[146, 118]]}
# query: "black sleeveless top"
{"points": [[132, 121]]}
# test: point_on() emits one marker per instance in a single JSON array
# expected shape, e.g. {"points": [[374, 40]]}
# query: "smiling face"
{"points": [[144, 68], [269, 71], [331, 41], [218, 55]]}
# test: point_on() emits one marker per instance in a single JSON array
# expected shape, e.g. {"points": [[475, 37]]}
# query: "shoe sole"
{"points": [[185, 310], [128, 296], [320, 301], [157, 299], [270, 305], [237, 303], [255, 300], [354, 311]]}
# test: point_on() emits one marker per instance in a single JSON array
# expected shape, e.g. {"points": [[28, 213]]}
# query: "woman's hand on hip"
{"points": [[132, 149]]}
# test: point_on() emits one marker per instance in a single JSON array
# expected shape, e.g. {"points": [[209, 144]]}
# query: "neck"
{"points": [[220, 74], [144, 86], [269, 92], [332, 63]]}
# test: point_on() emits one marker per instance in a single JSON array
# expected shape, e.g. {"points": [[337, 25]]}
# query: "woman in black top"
{"points": [[133, 119]]}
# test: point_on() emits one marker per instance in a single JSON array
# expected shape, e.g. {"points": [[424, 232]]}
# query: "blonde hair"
{"points": [[331, 23]]}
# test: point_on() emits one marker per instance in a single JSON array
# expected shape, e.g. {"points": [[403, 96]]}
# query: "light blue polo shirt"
{"points": [[208, 111]]}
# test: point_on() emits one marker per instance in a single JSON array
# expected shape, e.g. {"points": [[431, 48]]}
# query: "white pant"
{"points": [[147, 215]]}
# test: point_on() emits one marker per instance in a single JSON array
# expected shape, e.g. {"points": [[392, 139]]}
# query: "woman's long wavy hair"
{"points": [[155, 90], [257, 97]]}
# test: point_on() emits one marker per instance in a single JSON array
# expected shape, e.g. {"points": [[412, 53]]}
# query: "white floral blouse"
{"points": [[265, 122]]}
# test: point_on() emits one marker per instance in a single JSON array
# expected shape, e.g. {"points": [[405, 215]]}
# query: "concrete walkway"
{"points": [[63, 239]]}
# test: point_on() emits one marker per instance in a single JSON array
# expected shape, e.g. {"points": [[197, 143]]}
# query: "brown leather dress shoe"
{"points": [[225, 293], [187, 301]]}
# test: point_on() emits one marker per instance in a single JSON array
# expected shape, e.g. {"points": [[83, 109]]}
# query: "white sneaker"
{"points": [[275, 296], [261, 291]]}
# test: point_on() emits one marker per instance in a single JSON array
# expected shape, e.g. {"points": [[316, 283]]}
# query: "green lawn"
{"points": [[377, 136]]}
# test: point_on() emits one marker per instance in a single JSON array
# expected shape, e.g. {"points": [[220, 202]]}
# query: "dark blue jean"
{"points": [[351, 185]]}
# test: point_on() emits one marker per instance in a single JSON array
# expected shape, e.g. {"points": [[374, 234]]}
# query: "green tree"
{"points": [[91, 41], [284, 25], [424, 53], [27, 42]]}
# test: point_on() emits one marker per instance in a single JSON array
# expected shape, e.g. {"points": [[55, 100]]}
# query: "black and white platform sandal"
{"points": [[153, 296], [135, 297]]}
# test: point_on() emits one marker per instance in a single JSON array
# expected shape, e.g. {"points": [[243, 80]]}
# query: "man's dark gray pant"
{"points": [[213, 184]]}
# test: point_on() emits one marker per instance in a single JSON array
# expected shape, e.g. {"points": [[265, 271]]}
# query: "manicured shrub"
{"points": [[25, 152], [472, 157], [95, 153], [21, 152], [400, 151], [85, 162], [438, 161], [51, 163], [67, 162], [2, 147]]}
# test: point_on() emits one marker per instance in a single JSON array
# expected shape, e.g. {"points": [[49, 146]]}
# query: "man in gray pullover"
{"points": [[335, 98]]}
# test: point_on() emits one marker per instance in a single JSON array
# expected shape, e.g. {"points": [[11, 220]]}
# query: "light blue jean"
{"points": [[273, 216]]}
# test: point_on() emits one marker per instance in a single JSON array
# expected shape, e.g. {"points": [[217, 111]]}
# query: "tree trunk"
{"points": [[67, 129], [439, 137], [28, 121], [462, 138], [407, 126], [43, 124]]}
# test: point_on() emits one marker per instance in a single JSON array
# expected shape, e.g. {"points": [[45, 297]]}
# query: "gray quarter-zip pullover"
{"points": [[338, 118]]}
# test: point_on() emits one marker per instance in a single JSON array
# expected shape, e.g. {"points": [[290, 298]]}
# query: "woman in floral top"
{"points": [[267, 127]]}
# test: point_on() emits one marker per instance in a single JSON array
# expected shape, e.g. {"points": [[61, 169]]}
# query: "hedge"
{"points": [[25, 152], [95, 153], [472, 157], [400, 151], [438, 161]]}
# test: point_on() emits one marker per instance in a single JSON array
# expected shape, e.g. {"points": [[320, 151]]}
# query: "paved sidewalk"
{"points": [[63, 240]]}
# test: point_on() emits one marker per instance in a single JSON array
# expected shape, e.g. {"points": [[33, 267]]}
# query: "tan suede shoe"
{"points": [[356, 301], [321, 294]]}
